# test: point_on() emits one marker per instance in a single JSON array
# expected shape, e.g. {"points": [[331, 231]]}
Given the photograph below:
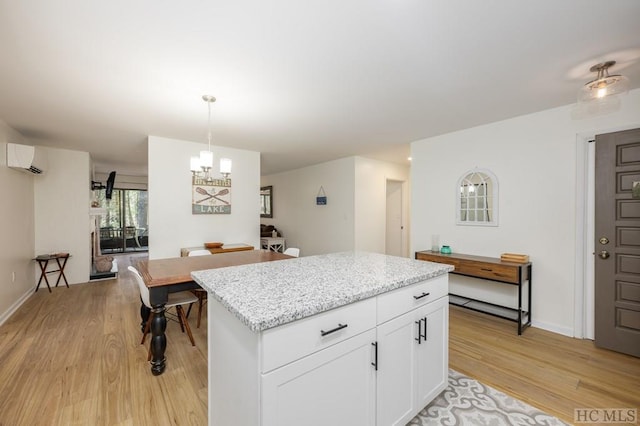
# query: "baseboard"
{"points": [[6, 315], [554, 328]]}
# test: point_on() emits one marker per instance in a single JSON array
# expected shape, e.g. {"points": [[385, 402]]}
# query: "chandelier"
{"points": [[201, 166]]}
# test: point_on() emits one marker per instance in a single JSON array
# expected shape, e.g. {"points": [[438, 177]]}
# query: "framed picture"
{"points": [[210, 196]]}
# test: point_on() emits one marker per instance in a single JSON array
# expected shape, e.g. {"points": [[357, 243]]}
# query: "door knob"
{"points": [[604, 254]]}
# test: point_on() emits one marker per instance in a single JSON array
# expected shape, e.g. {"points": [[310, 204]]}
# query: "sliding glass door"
{"points": [[124, 226]]}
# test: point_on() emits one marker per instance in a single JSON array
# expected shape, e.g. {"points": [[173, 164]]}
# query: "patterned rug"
{"points": [[468, 402]]}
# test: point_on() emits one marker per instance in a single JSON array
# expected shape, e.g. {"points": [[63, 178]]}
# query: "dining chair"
{"points": [[200, 293], [175, 300], [292, 251]]}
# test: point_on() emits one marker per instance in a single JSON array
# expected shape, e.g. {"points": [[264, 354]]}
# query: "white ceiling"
{"points": [[300, 81]]}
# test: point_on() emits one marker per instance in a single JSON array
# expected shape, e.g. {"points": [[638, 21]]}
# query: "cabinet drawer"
{"points": [[489, 270], [402, 300], [289, 342]]}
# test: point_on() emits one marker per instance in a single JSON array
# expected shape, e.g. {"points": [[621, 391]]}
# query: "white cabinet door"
{"points": [[334, 386], [396, 376], [432, 358], [412, 362]]}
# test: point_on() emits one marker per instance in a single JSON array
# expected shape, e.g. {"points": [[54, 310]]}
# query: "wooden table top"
{"points": [[176, 270]]}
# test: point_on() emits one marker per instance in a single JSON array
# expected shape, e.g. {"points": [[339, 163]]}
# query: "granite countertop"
{"points": [[268, 294]]}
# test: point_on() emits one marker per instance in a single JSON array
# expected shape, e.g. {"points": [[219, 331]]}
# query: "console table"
{"points": [[493, 269]]}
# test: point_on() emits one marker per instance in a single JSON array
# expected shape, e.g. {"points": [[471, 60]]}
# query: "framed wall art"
{"points": [[210, 196]]}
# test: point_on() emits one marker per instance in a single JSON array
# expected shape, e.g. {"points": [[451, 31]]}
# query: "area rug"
{"points": [[468, 402]]}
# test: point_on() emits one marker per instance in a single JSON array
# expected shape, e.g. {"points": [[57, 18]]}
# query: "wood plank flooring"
{"points": [[554, 373], [73, 357]]}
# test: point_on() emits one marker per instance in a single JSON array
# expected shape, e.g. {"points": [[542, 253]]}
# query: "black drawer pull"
{"points": [[421, 296], [424, 336], [486, 269], [375, 347], [333, 330]]}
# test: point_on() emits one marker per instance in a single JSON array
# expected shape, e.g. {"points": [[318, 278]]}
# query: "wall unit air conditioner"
{"points": [[26, 158]]}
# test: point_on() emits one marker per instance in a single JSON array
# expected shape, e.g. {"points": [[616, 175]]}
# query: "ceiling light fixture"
{"points": [[201, 166], [604, 84]]}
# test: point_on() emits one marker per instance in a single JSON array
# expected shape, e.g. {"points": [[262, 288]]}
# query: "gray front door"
{"points": [[617, 234]]}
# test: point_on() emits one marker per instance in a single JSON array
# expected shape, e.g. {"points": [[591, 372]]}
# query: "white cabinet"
{"points": [[396, 377], [335, 386], [432, 358], [412, 362], [355, 365]]}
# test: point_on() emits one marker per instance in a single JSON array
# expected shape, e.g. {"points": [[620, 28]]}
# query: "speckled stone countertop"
{"points": [[268, 294]]}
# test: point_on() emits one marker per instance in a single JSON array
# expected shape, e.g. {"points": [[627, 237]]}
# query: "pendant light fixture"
{"points": [[604, 85], [201, 166]]}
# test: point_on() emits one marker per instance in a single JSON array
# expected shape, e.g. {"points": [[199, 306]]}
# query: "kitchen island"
{"points": [[344, 338]]}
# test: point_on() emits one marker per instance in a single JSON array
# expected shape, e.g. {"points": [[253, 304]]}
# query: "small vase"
{"points": [[445, 250], [435, 243]]}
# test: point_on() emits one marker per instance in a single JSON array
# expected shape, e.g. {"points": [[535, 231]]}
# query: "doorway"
{"points": [[395, 229], [124, 226]]}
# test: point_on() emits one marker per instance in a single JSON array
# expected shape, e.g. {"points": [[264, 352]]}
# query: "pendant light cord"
{"points": [[209, 135]]}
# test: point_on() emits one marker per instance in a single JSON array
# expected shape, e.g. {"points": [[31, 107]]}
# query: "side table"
{"points": [[273, 244], [43, 262]]}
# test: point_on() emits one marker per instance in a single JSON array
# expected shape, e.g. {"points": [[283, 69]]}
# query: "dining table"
{"points": [[170, 275]]}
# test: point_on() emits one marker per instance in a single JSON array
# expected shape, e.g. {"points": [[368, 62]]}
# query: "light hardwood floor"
{"points": [[554, 373], [73, 357]]}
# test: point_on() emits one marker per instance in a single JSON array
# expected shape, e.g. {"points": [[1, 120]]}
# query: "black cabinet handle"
{"points": [[418, 339], [421, 296], [375, 355], [486, 269], [424, 336], [333, 330]]}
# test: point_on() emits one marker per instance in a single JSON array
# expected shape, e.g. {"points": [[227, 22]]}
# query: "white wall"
{"points": [[62, 200], [371, 201], [171, 223], [17, 229], [355, 214], [534, 158], [314, 229]]}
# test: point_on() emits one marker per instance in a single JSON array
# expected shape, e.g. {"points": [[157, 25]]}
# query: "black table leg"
{"points": [[158, 340], [159, 295]]}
